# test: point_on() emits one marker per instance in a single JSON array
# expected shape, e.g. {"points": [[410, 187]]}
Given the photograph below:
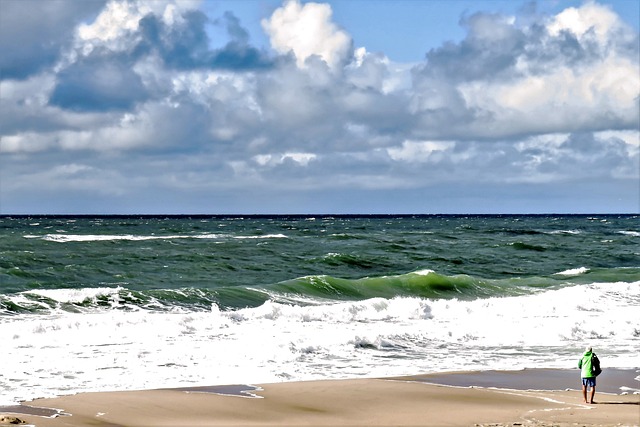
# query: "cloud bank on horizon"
{"points": [[133, 107]]}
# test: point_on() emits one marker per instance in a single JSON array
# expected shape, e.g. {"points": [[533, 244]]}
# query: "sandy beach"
{"points": [[404, 401]]}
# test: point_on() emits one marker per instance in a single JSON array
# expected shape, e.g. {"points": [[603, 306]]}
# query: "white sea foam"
{"points": [[572, 232], [266, 236], [106, 349], [630, 233], [574, 271], [424, 272], [65, 238], [74, 295]]}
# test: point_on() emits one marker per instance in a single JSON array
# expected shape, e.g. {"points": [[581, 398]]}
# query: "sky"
{"points": [[335, 107]]}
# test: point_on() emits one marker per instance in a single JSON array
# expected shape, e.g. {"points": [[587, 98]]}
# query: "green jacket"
{"points": [[586, 363]]}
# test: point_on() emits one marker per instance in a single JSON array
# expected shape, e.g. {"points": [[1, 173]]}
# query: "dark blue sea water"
{"points": [[94, 303]]}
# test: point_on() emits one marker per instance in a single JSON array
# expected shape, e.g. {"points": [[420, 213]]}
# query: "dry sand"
{"points": [[361, 402]]}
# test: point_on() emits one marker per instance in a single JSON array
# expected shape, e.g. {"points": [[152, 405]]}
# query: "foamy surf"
{"points": [[109, 349]]}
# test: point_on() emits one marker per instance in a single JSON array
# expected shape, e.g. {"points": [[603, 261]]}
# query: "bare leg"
{"points": [[593, 392], [584, 393]]}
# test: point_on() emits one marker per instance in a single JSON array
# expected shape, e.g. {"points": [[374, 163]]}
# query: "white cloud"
{"points": [[71, 169], [23, 143], [563, 98], [114, 28], [630, 137], [114, 22], [419, 151], [581, 72], [307, 30], [301, 159], [590, 17]]}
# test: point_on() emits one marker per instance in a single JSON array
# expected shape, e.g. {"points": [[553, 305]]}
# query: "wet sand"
{"points": [[612, 381], [504, 398]]}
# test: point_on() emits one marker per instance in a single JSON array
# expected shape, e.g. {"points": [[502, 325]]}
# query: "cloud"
{"points": [[116, 26], [186, 45], [136, 101], [307, 30], [174, 30], [578, 70], [491, 47], [99, 83], [33, 33], [590, 20]]}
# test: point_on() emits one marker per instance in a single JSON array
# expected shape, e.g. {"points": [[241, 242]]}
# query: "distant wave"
{"points": [[65, 238], [266, 236], [571, 232], [527, 247]]}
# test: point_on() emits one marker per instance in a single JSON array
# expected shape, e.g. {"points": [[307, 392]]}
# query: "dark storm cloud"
{"points": [[585, 155], [490, 48], [493, 46], [545, 51], [33, 33], [181, 48], [186, 46], [183, 129], [100, 82]]}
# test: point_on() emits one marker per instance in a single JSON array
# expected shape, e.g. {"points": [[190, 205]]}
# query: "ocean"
{"points": [[136, 302]]}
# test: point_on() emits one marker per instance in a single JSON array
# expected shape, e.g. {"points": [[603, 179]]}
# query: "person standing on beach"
{"points": [[590, 368]]}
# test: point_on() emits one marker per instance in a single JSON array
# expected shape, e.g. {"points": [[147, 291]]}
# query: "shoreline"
{"points": [[419, 400], [615, 381]]}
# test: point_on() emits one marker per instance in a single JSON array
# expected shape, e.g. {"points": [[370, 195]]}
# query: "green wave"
{"points": [[433, 285], [310, 290]]}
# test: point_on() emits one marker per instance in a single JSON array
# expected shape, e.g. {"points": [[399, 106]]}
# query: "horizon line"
{"points": [[300, 215]]}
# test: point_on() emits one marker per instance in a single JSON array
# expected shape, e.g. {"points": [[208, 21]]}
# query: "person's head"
{"points": [[588, 349]]}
